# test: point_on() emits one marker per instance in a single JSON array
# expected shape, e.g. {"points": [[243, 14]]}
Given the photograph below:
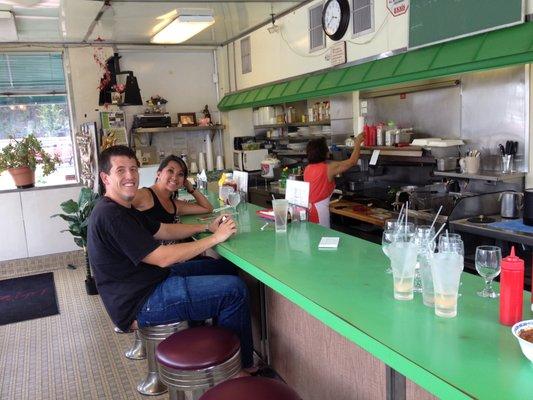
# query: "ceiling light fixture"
{"points": [[8, 29], [182, 28]]}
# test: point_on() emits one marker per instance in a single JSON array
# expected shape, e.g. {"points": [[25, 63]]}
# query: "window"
{"points": [[33, 99], [363, 17], [246, 55], [317, 38]]}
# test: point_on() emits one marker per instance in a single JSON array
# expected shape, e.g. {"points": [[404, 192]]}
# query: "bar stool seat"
{"points": [[256, 388], [197, 348], [194, 360]]}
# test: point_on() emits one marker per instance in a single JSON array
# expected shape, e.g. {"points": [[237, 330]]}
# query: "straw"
{"points": [[220, 209], [406, 215], [399, 220], [438, 233], [435, 219]]}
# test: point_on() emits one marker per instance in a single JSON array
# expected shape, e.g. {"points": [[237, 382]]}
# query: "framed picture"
{"points": [[113, 129], [187, 119]]}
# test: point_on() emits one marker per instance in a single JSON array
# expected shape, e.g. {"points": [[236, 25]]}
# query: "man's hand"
{"points": [[223, 228]]}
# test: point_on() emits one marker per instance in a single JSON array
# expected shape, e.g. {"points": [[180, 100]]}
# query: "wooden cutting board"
{"points": [[372, 215]]}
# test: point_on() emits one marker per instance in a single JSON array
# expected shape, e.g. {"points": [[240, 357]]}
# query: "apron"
{"points": [[322, 207]]}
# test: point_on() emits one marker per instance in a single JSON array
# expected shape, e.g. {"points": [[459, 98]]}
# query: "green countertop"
{"points": [[347, 289]]}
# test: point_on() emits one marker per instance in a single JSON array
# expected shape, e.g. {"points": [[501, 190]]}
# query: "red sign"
{"points": [[397, 7]]}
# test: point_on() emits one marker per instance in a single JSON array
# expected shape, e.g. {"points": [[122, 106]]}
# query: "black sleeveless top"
{"points": [[159, 213]]}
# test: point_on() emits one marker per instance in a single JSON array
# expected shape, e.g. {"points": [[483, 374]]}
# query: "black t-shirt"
{"points": [[159, 213], [118, 239]]}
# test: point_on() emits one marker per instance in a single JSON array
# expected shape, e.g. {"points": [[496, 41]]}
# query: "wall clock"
{"points": [[336, 18]]}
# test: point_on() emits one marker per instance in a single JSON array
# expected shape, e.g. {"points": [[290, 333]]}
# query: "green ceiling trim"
{"points": [[495, 49]]}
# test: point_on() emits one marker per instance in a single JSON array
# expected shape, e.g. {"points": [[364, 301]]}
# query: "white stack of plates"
{"points": [[303, 130]]}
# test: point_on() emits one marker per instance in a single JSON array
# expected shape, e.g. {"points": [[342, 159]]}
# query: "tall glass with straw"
{"points": [[403, 254]]}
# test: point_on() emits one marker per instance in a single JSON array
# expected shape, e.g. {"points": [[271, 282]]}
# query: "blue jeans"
{"points": [[200, 289]]}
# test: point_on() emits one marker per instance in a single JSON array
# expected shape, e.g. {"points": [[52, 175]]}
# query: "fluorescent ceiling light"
{"points": [[183, 28], [8, 30]]}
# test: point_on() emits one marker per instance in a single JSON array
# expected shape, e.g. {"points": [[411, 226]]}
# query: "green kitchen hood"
{"points": [[500, 48]]}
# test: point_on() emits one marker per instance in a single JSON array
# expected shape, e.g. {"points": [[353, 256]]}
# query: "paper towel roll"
{"points": [[360, 124], [201, 162], [209, 151]]}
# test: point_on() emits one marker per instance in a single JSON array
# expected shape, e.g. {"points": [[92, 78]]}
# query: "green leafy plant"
{"points": [[76, 214], [27, 152]]}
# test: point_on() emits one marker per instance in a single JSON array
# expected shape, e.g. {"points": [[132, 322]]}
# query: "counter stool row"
{"points": [[191, 361]]}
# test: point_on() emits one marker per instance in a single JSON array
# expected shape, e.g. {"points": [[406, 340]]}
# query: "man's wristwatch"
{"points": [[191, 191]]}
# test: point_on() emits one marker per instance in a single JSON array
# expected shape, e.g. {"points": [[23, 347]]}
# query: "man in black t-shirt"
{"points": [[141, 280]]}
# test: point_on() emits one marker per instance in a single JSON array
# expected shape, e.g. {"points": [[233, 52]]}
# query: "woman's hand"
{"points": [[358, 140], [188, 186]]}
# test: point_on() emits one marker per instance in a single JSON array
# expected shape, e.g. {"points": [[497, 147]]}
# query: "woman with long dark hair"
{"points": [[159, 202]]}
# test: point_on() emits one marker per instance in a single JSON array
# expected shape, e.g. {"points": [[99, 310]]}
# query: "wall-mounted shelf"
{"points": [[294, 124], [483, 175], [179, 129]]}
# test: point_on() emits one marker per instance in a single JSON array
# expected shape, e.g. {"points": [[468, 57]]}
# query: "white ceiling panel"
{"points": [[134, 21]]}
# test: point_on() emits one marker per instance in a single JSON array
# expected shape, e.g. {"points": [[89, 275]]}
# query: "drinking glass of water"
{"points": [[488, 265], [234, 198]]}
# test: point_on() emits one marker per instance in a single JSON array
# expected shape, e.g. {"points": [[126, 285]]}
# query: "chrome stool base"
{"points": [[151, 385], [137, 350], [151, 336]]}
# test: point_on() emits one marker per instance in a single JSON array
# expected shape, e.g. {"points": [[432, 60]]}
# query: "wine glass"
{"points": [[234, 198], [488, 265]]}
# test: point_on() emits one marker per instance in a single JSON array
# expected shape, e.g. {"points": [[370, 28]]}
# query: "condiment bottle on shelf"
{"points": [[511, 289]]}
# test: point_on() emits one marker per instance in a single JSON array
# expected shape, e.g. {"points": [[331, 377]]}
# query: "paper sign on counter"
{"points": [[297, 192], [374, 158]]}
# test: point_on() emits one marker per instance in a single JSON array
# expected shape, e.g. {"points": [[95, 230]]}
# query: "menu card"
{"points": [[297, 192]]}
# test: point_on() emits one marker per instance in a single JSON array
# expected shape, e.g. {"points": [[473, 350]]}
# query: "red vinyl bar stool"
{"points": [[137, 350], [194, 360], [151, 336], [251, 388]]}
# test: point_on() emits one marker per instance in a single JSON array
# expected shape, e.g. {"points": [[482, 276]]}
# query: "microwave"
{"points": [[248, 160]]}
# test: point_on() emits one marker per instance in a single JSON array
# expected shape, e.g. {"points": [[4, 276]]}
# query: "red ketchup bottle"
{"points": [[511, 289]]}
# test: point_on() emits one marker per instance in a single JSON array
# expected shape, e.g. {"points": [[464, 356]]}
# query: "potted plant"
{"points": [[20, 158], [77, 216]]}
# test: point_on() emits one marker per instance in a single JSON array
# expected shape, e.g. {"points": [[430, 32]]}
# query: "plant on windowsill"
{"points": [[20, 158], [77, 216]]}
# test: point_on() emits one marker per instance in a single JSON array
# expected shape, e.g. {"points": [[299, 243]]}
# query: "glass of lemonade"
{"points": [[446, 268], [403, 254]]}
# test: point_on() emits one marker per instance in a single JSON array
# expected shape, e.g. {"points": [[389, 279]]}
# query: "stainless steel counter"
{"points": [[486, 230]]}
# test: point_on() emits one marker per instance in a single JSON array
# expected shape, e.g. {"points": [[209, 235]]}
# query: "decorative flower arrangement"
{"points": [[100, 59], [119, 88], [157, 100], [156, 104]]}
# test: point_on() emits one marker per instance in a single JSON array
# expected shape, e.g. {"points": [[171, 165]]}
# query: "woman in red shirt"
{"points": [[321, 176]]}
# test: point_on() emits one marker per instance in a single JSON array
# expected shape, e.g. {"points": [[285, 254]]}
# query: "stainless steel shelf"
{"points": [[295, 124], [179, 129], [483, 175]]}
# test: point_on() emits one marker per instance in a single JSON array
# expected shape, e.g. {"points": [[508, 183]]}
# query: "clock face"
{"points": [[332, 17], [335, 18]]}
